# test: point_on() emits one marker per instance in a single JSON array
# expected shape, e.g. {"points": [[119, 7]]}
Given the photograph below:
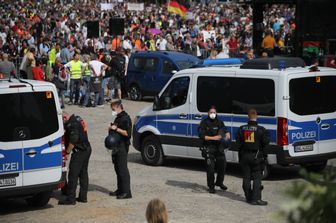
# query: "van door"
{"points": [[312, 116], [149, 73], [210, 90], [11, 154], [42, 124], [173, 117]]}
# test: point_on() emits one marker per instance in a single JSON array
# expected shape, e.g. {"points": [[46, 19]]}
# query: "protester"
{"points": [[7, 68]]}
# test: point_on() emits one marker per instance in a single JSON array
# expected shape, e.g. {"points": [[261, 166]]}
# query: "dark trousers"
{"points": [[74, 89], [215, 162], [252, 172], [120, 166], [78, 169]]}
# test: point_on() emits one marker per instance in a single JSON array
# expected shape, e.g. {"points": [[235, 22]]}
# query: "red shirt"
{"points": [[38, 74]]}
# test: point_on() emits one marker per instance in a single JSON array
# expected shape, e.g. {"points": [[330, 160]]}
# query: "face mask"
{"points": [[114, 113], [212, 115]]}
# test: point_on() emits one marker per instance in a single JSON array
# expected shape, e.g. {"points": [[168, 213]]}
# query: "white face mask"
{"points": [[213, 115], [114, 113]]}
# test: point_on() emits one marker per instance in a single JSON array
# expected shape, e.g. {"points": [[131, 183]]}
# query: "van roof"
{"points": [[5, 83], [175, 56], [274, 72]]}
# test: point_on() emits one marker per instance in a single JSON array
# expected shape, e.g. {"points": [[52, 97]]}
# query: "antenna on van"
{"points": [[24, 82]]}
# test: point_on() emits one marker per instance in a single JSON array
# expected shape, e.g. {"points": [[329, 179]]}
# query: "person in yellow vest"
{"points": [[86, 80], [76, 69]]}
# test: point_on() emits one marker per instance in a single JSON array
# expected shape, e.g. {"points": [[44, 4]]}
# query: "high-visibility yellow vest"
{"points": [[87, 71], [76, 70]]}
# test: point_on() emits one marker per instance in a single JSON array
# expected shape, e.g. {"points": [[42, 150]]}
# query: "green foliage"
{"points": [[313, 200]]}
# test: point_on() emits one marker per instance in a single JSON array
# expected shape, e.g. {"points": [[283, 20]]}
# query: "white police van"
{"points": [[295, 104], [31, 133]]}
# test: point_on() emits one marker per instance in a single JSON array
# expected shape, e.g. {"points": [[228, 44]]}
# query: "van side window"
{"points": [[145, 64], [236, 95], [176, 93], [215, 91], [253, 93], [168, 67]]}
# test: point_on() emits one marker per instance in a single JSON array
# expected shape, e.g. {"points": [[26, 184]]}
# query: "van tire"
{"points": [[40, 199], [316, 167], [135, 93], [151, 151]]}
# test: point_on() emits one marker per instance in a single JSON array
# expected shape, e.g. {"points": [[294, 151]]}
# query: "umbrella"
{"points": [[154, 31]]}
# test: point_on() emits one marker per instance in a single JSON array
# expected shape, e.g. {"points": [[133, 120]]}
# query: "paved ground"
{"points": [[180, 184]]}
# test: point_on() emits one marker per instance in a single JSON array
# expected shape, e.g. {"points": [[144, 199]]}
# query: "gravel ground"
{"points": [[180, 183]]}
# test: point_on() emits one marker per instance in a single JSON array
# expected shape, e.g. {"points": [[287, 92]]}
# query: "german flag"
{"points": [[178, 7]]}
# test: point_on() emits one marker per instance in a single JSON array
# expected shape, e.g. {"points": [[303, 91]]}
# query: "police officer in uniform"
{"points": [[251, 140], [77, 142], [123, 126], [212, 131]]}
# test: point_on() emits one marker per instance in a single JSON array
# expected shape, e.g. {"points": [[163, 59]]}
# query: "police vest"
{"points": [[87, 71], [76, 70]]}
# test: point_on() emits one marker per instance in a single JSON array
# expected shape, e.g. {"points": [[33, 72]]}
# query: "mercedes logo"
{"points": [[22, 135]]}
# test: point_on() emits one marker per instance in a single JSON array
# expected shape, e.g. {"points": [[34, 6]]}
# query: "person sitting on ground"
{"points": [[156, 212]]}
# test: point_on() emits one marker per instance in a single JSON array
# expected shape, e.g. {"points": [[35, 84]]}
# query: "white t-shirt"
{"points": [[97, 67], [161, 45]]}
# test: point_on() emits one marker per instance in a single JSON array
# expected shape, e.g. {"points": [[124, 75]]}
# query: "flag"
{"points": [[178, 7]]}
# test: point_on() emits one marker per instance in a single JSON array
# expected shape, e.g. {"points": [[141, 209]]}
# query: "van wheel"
{"points": [[151, 151], [135, 93], [267, 171], [316, 167], [40, 199]]}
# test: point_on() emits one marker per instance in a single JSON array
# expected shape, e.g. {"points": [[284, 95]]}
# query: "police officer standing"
{"points": [[251, 140], [77, 142], [212, 131], [123, 126]]}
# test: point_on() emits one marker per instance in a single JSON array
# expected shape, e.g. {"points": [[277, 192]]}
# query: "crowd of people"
{"points": [[38, 36]]}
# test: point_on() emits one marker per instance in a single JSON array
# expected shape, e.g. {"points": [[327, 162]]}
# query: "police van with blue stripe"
{"points": [[31, 160], [295, 104]]}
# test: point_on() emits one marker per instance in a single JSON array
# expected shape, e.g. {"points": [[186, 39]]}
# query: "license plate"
{"points": [[7, 182], [304, 148]]}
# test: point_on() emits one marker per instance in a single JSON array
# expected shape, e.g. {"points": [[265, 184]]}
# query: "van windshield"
{"points": [[312, 95], [27, 116]]}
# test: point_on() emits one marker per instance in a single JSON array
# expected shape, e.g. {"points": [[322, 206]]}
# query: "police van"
{"points": [[32, 163], [295, 104]]}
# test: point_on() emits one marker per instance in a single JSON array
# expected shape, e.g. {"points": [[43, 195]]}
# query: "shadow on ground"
{"points": [[196, 188], [233, 169], [18, 205]]}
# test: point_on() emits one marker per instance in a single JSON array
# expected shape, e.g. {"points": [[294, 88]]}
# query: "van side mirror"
{"points": [[156, 104]]}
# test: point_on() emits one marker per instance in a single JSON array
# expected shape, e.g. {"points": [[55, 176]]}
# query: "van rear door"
{"points": [[11, 155], [42, 124], [312, 114]]}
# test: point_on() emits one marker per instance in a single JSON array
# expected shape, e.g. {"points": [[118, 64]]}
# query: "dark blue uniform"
{"points": [[76, 134], [123, 121], [213, 151], [251, 140]]}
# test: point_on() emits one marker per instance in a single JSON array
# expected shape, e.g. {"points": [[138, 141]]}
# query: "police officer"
{"points": [[251, 140], [76, 141], [212, 131], [123, 126]]}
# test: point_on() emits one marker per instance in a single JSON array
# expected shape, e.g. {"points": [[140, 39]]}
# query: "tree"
{"points": [[313, 200]]}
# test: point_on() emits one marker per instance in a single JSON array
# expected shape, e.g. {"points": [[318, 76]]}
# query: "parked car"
{"points": [[148, 72]]}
